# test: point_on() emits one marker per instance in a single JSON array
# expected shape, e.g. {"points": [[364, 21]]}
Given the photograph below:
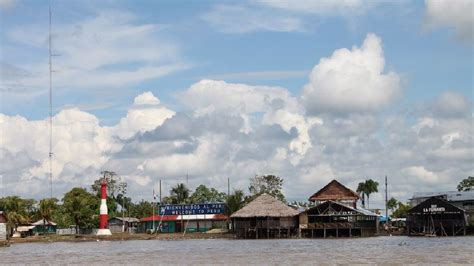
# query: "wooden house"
{"points": [[265, 217], [123, 224], [44, 226], [436, 217], [3, 227], [335, 191], [334, 219]]}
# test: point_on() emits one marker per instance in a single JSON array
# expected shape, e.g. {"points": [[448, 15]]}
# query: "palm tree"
{"points": [[235, 201], [16, 211], [46, 210], [371, 186], [361, 191], [180, 193], [366, 188]]}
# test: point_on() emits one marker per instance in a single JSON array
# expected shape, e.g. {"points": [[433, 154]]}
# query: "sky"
{"points": [[310, 91]]}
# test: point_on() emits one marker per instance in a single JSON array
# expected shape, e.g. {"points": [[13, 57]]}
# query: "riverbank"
{"points": [[118, 237]]}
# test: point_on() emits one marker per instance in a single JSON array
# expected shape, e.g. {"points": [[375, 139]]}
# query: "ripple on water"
{"points": [[290, 251]]}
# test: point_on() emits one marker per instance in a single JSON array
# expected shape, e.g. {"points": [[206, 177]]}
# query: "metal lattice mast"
{"points": [[50, 109]]}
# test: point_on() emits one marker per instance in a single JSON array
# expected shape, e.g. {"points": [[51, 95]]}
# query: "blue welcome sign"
{"points": [[189, 209]]}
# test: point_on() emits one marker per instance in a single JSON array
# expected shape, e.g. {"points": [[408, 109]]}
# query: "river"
{"points": [[290, 251]]}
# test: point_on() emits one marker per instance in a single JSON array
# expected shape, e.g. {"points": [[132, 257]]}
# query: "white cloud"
{"points": [[110, 49], [237, 131], [456, 14], [322, 7], [451, 104], [146, 114], [282, 16], [276, 104], [146, 98], [421, 173], [351, 80], [244, 19], [79, 142], [7, 4]]}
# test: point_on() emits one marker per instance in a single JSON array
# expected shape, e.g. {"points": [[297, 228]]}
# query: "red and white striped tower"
{"points": [[103, 230]]}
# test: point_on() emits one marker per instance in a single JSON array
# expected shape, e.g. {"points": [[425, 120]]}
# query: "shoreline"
{"points": [[117, 237]]}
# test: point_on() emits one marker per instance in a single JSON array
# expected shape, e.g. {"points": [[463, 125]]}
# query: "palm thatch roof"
{"points": [[265, 206]]}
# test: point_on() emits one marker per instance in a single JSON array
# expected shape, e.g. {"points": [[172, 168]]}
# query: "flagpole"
{"points": [[153, 216]]}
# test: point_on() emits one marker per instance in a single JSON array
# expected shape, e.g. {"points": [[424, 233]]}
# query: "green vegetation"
{"points": [[466, 184], [401, 211], [235, 201], [270, 184], [366, 188], [392, 203]]}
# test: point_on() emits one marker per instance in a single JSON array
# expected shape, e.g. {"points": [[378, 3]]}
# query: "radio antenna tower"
{"points": [[50, 109]]}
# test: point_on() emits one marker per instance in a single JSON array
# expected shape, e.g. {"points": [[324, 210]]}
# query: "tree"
{"points": [[466, 184], [203, 194], [111, 180], [392, 203], [366, 188], [18, 210], [402, 210], [235, 201], [179, 194], [82, 207], [270, 184], [361, 191], [141, 209], [46, 209]]}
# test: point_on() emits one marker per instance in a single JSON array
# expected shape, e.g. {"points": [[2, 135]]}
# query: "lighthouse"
{"points": [[103, 230]]}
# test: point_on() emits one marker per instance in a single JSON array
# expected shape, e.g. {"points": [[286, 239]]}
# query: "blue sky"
{"points": [[423, 57], [113, 51]]}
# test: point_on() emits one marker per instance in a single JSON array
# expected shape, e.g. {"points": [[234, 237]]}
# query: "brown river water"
{"points": [[393, 250]]}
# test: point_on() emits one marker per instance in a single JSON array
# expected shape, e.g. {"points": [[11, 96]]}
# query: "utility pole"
{"points": [[160, 192], [228, 187], [386, 199]]}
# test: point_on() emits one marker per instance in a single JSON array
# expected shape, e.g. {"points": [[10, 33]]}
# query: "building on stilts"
{"points": [[436, 217], [265, 217], [336, 214]]}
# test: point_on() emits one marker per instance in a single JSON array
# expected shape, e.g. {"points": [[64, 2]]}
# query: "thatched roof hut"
{"points": [[265, 206]]}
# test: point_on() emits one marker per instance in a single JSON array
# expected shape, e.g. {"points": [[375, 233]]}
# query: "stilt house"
{"points": [[336, 214], [337, 192], [265, 217], [436, 217]]}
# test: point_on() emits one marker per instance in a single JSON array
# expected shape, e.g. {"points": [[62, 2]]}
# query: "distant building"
{"points": [[265, 217], [463, 200], [337, 192], [336, 214], [180, 223], [436, 217], [44, 226], [334, 219], [123, 224], [3, 227]]}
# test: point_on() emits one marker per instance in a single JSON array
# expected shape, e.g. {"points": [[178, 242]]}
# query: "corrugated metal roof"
{"points": [[159, 218], [450, 195], [24, 228], [128, 219], [186, 217], [40, 222], [202, 217]]}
